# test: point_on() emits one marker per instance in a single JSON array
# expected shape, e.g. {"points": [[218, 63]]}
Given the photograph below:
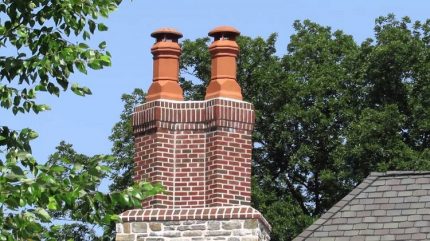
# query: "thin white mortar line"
{"points": [[205, 171], [174, 164]]}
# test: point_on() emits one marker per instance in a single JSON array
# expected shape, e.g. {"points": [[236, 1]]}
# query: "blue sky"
{"points": [[86, 122]]}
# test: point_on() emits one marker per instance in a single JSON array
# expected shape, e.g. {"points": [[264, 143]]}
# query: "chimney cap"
{"points": [[224, 29], [166, 31]]}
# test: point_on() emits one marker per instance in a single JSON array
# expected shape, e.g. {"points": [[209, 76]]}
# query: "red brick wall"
{"points": [[199, 150], [228, 167]]}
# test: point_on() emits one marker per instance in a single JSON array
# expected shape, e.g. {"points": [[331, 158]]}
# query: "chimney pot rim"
{"points": [[224, 29], [165, 30]]}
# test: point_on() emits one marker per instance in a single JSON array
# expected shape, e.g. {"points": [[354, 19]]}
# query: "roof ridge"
{"points": [[400, 173]]}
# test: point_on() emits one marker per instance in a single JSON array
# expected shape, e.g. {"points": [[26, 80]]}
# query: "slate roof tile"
{"points": [[385, 206]]}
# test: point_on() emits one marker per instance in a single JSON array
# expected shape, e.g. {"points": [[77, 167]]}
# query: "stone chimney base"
{"points": [[238, 223]]}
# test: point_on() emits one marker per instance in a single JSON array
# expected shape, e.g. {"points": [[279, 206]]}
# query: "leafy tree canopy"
{"points": [[42, 44]]}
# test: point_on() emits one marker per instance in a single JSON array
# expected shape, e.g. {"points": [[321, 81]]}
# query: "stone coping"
{"points": [[203, 213]]}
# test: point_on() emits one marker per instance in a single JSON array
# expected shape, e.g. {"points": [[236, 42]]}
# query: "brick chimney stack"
{"points": [[199, 150]]}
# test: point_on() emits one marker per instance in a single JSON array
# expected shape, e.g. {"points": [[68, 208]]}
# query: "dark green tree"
{"points": [[123, 142], [391, 131], [123, 150], [328, 112]]}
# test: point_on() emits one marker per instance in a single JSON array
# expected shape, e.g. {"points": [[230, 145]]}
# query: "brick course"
{"points": [[199, 150]]}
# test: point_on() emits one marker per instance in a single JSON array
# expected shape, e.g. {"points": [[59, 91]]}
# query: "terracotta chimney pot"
{"points": [[166, 52], [224, 51]]}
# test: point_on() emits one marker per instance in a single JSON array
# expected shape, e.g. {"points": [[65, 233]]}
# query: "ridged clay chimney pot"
{"points": [[166, 52], [224, 51]]}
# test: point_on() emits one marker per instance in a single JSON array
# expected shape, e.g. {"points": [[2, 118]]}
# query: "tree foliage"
{"points": [[328, 112], [123, 142], [42, 44]]}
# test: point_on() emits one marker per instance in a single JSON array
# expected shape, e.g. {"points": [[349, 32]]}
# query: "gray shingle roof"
{"points": [[385, 206]]}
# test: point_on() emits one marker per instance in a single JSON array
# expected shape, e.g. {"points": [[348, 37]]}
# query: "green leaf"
{"points": [[86, 35], [102, 27], [77, 167], [83, 46], [102, 45], [40, 87], [56, 228], [17, 170], [39, 108], [105, 60], [22, 202], [28, 181], [27, 106], [43, 214], [64, 83], [125, 199], [77, 89], [52, 205], [17, 100], [92, 25], [23, 155], [115, 218], [81, 67], [15, 110], [95, 64], [28, 134], [57, 169], [82, 193], [87, 91], [52, 89]]}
